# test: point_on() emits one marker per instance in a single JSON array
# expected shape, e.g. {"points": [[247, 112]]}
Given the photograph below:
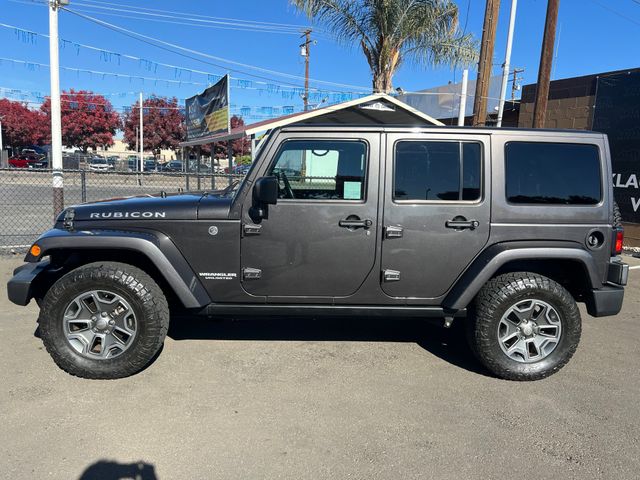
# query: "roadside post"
{"points": [[56, 121], [463, 97]]}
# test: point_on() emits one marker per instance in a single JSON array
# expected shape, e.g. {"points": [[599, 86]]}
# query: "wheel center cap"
{"points": [[101, 323], [527, 329]]}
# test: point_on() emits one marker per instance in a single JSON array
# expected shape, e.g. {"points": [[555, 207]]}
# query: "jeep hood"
{"points": [[185, 206]]}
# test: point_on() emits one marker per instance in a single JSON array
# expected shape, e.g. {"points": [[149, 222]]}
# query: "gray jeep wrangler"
{"points": [[506, 229]]}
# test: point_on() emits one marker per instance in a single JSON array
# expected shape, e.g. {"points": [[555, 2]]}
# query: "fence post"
{"points": [[187, 181], [83, 186]]}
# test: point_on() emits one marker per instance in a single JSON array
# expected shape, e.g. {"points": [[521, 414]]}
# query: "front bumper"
{"points": [[20, 288]]}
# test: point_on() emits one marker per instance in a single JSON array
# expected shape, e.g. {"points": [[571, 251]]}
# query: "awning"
{"points": [[376, 109]]}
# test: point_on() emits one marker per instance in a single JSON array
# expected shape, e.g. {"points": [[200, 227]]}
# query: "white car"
{"points": [[99, 164]]}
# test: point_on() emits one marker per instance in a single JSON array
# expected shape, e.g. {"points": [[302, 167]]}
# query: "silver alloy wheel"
{"points": [[529, 331], [99, 324]]}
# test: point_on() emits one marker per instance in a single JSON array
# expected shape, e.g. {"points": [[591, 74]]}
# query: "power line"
{"points": [[616, 12], [163, 45], [297, 27], [240, 82], [186, 23]]}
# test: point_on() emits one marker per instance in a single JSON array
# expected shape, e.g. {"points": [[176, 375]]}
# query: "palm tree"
{"points": [[394, 31]]}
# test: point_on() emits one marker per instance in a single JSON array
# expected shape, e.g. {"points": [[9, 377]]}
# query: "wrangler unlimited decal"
{"points": [[128, 215]]}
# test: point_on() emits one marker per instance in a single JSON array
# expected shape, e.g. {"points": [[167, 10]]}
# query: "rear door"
{"points": [[319, 240], [436, 210]]}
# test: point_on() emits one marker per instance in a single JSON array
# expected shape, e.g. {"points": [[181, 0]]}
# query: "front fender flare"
{"points": [[156, 246], [492, 259]]}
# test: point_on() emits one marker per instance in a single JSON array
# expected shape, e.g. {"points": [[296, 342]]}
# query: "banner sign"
{"points": [[208, 112], [617, 113]]}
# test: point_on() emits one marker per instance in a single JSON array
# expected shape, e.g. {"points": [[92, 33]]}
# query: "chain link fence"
{"points": [[26, 195]]}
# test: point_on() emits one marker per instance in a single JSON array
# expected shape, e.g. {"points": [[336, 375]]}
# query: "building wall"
{"points": [[571, 103], [573, 112]]}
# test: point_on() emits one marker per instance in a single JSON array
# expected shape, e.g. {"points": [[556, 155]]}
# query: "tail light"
{"points": [[618, 240]]}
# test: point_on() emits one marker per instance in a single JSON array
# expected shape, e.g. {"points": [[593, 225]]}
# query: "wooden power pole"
{"points": [[305, 51], [546, 61], [485, 63]]}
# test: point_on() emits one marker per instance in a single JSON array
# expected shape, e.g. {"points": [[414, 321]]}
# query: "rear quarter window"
{"points": [[553, 173]]}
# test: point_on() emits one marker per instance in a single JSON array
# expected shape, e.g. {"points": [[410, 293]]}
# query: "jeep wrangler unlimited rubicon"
{"points": [[508, 228]]}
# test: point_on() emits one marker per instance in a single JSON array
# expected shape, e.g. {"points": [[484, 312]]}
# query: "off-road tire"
{"points": [[617, 216], [143, 295], [491, 303]]}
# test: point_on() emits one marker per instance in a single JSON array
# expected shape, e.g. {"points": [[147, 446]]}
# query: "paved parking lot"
{"points": [[337, 398]]}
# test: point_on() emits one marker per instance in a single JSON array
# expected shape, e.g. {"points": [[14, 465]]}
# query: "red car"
{"points": [[27, 161]]}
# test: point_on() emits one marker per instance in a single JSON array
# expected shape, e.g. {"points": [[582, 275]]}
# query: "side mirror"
{"points": [[265, 193]]}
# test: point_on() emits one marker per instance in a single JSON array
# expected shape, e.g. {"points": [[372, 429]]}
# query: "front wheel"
{"points": [[524, 326], [104, 320]]}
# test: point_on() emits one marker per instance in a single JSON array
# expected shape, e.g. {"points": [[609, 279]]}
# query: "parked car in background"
{"points": [[172, 166], [100, 164], [113, 160], [28, 160], [200, 168], [150, 165], [133, 162]]}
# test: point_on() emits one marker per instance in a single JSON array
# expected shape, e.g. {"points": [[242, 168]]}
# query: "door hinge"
{"points": [[251, 273], [391, 275], [393, 232], [251, 229]]}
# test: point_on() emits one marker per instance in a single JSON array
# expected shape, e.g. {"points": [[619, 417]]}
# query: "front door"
{"points": [[320, 238], [436, 211]]}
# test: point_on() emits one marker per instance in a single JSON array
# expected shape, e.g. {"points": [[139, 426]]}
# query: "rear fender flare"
{"points": [[491, 260]]}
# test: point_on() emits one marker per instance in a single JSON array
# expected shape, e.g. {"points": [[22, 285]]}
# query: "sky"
{"points": [[593, 36]]}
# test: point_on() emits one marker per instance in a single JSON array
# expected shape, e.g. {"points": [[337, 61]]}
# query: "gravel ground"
{"points": [[332, 398]]}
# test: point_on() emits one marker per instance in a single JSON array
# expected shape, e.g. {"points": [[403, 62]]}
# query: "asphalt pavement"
{"points": [[321, 398]]}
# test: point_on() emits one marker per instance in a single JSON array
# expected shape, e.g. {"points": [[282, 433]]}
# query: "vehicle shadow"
{"points": [[110, 470], [449, 344]]}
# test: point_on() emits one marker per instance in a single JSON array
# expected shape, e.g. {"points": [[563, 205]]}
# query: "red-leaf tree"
{"points": [[240, 146], [22, 126], [163, 124], [88, 119]]}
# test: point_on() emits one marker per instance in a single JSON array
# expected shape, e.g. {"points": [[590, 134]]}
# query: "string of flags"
{"points": [[182, 76], [37, 98]]}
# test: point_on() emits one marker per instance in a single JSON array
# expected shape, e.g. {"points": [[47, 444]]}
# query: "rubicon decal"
{"points": [[127, 214]]}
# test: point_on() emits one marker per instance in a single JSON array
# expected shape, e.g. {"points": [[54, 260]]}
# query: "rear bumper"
{"points": [[20, 288], [605, 301]]}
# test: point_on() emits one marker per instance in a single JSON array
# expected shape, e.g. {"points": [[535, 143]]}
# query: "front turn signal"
{"points": [[35, 250]]}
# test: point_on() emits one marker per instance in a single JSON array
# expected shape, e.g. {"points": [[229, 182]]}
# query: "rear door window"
{"points": [[553, 173], [437, 171]]}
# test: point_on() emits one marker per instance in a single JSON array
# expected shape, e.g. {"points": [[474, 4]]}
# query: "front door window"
{"points": [[321, 170]]}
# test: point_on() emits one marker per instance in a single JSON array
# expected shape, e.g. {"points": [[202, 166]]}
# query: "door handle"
{"points": [[349, 223], [461, 223]]}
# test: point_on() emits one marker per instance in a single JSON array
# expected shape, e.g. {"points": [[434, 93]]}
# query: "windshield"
{"points": [[98, 161]]}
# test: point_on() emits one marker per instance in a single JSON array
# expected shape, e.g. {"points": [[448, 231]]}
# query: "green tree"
{"points": [[391, 32]]}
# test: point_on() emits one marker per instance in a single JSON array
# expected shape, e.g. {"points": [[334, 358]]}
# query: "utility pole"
{"points": [[485, 63], [514, 85], [56, 120], [141, 132], [507, 60], [546, 61], [305, 51]]}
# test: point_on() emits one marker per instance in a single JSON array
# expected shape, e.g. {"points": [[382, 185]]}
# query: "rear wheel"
{"points": [[524, 326], [104, 320]]}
